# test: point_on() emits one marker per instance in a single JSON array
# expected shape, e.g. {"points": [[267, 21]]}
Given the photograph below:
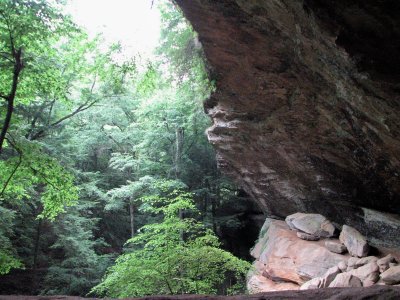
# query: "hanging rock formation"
{"points": [[306, 110]]}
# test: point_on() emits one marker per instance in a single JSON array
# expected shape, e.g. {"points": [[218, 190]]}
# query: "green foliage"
{"points": [[8, 260], [162, 262], [34, 26], [133, 191], [36, 168], [80, 265], [149, 82]]}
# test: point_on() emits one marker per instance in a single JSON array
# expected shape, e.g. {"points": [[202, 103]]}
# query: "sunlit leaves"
{"points": [[37, 169], [8, 259], [175, 256], [8, 262], [34, 27]]}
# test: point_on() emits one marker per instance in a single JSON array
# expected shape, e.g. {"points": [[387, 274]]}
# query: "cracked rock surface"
{"points": [[305, 115]]}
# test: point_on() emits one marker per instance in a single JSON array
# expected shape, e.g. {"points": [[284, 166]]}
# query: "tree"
{"points": [[162, 263], [131, 195], [41, 58], [27, 28], [79, 262], [89, 138], [8, 258]]}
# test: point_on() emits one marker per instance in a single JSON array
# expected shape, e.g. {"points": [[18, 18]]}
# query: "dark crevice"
{"points": [[369, 30]]}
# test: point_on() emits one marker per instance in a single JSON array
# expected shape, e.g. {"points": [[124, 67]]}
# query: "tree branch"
{"points": [[81, 108], [112, 139], [36, 116], [6, 57], [15, 168], [50, 111], [12, 46], [36, 171], [88, 104], [18, 66]]}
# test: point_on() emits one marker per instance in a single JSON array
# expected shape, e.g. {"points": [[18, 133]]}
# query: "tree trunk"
{"points": [[18, 66], [35, 255], [213, 213], [178, 157], [132, 215], [178, 151]]}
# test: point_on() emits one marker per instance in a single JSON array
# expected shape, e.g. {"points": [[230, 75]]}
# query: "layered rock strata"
{"points": [[305, 113]]}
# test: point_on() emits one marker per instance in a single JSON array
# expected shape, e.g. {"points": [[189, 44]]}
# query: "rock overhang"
{"points": [[301, 120]]}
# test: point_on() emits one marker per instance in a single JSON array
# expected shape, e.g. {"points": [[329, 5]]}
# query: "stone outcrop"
{"points": [[312, 284], [329, 277], [346, 280], [259, 284], [365, 260], [307, 237], [312, 224], [305, 113], [384, 262], [391, 275], [354, 241], [282, 257], [286, 261], [335, 247], [288, 258], [367, 273], [305, 119]]}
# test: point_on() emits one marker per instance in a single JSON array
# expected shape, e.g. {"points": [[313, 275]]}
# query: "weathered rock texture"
{"points": [[285, 261], [306, 111], [354, 241], [289, 258], [313, 224], [288, 261]]}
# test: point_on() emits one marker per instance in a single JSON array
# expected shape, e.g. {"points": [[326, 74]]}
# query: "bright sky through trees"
{"points": [[132, 22]]}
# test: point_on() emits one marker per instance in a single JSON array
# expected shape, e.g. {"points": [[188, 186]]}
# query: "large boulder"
{"points": [[312, 284], [391, 275], [335, 247], [365, 260], [285, 259], [262, 239], [367, 273], [260, 284], [313, 224], [351, 263], [322, 282], [307, 237], [354, 241], [346, 280], [329, 276], [288, 258], [342, 266], [384, 262]]}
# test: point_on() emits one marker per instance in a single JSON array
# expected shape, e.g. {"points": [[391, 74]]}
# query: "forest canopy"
{"points": [[104, 164]]}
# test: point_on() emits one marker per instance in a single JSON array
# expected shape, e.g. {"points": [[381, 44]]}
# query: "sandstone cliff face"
{"points": [[306, 115]]}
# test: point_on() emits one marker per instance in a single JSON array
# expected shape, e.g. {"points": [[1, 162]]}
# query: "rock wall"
{"points": [[306, 111]]}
